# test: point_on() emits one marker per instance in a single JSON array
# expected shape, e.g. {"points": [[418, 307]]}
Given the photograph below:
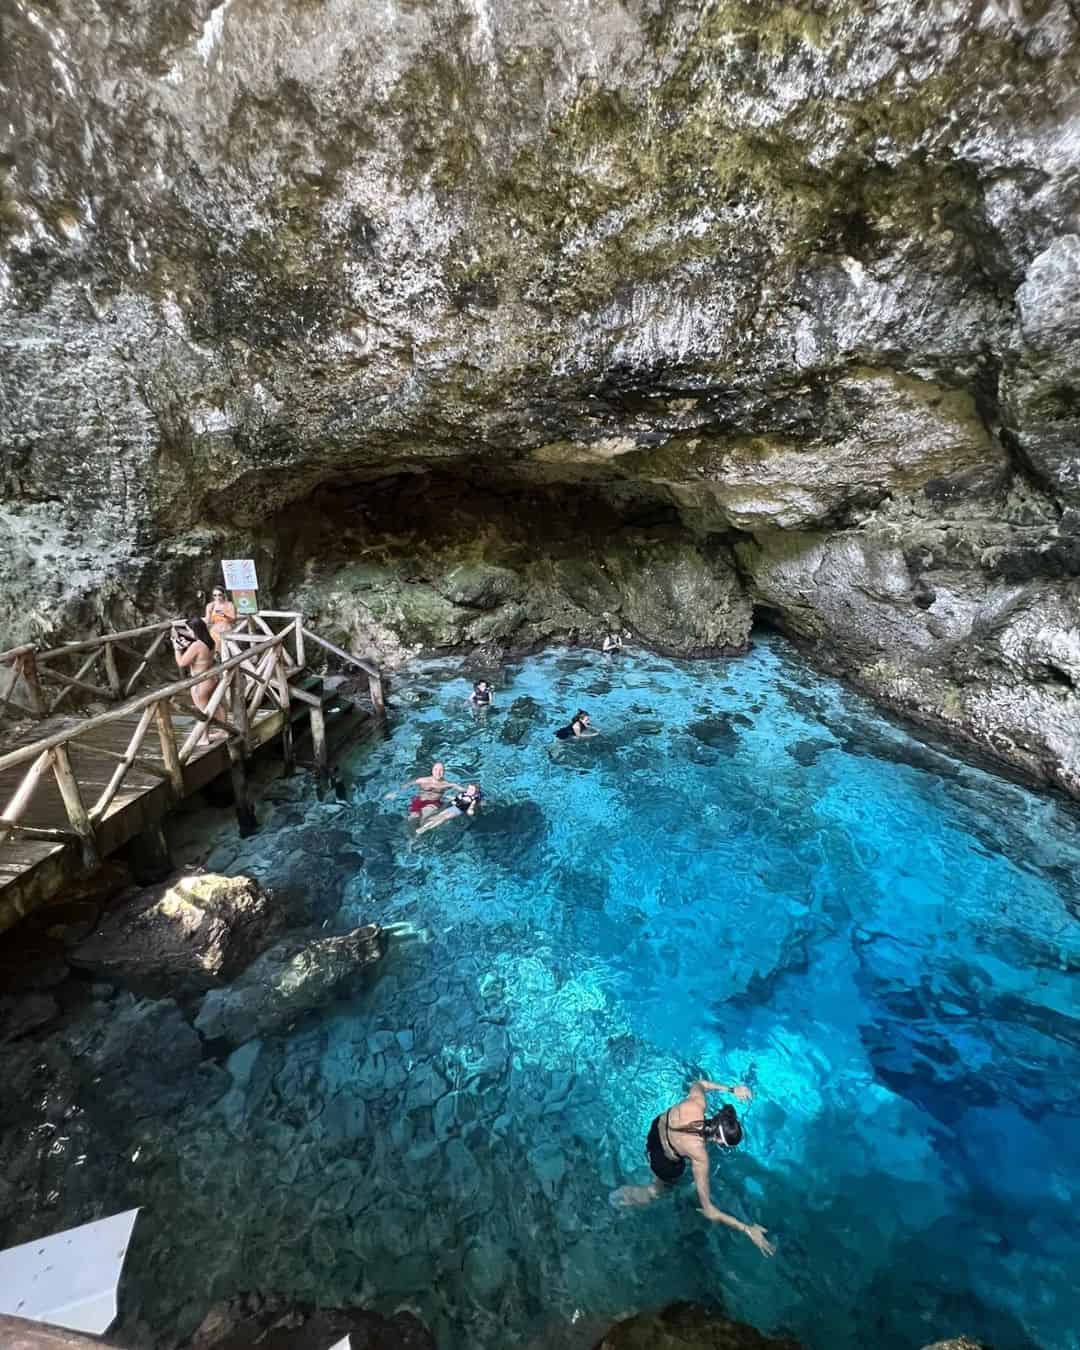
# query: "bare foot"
{"points": [[626, 1196]]}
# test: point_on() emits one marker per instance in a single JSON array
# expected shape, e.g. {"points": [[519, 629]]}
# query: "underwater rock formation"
{"points": [[797, 280], [292, 977], [684, 1326], [273, 1324]]}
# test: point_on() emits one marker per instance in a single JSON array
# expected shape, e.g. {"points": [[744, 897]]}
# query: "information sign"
{"points": [[239, 574]]}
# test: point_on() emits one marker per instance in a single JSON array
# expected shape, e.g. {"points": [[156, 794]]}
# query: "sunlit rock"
{"points": [[183, 938]]}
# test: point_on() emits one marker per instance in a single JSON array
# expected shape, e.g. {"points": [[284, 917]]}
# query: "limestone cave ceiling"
{"points": [[804, 275]]}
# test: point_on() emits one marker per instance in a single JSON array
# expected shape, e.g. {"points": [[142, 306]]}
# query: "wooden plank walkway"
{"points": [[73, 789], [32, 870]]}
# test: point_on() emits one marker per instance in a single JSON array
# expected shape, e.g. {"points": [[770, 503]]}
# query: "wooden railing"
{"points": [[20, 664], [107, 667], [250, 628], [258, 668]]}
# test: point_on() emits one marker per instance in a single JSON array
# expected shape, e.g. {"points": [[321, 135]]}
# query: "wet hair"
{"points": [[202, 633], [578, 716], [723, 1128]]}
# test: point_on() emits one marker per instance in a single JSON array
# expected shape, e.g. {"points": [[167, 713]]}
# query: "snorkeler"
{"points": [[680, 1136], [481, 695], [430, 790], [577, 729], [466, 803], [612, 644]]}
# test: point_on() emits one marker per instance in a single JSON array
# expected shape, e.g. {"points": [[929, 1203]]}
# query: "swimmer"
{"points": [[578, 729], [430, 790], [466, 803], [612, 644], [680, 1136], [481, 695]]}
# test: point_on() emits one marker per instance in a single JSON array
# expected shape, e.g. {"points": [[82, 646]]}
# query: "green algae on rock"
{"points": [[769, 269]]}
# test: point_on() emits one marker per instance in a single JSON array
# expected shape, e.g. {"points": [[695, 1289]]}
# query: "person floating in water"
{"points": [[430, 790], [481, 695], [613, 644], [466, 803], [679, 1136], [577, 729]]}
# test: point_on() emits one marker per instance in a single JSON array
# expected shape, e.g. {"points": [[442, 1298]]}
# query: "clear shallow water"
{"points": [[751, 876]]}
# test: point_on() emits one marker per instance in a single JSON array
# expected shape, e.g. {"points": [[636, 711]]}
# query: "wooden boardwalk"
{"points": [[33, 869], [77, 788]]}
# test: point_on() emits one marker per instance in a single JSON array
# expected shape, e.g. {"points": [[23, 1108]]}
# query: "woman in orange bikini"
{"points": [[220, 615], [194, 649]]}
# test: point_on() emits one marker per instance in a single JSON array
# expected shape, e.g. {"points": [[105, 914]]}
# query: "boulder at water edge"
{"points": [[274, 1325], [686, 1326], [181, 940], [291, 978]]}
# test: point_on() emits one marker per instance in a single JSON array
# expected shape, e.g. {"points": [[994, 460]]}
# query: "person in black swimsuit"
{"points": [[466, 803], [679, 1136], [577, 729]]}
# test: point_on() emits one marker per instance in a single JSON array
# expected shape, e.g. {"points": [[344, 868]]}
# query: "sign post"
{"points": [[242, 581]]}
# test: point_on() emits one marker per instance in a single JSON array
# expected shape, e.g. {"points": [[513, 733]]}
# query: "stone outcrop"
{"points": [[290, 978], [685, 1326], [795, 284], [182, 939], [274, 1324]]}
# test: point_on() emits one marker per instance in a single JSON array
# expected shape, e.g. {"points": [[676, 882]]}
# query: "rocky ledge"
{"points": [[687, 1326], [274, 1324]]}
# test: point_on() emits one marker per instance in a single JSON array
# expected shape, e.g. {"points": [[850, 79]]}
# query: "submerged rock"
{"points": [[147, 1061], [184, 938], [686, 1326], [273, 1324], [21, 1015], [291, 978]]}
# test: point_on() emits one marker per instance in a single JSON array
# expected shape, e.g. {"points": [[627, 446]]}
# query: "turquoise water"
{"points": [[750, 875]]}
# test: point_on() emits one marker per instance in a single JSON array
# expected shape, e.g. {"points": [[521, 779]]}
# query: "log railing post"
{"points": [[238, 710], [287, 753], [25, 791], [112, 674], [245, 812], [298, 631], [74, 805], [170, 751], [27, 665], [378, 702], [318, 738]]}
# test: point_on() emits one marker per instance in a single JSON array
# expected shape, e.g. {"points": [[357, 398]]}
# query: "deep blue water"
{"points": [[749, 875]]}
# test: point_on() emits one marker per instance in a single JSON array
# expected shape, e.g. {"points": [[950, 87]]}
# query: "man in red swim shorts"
{"points": [[429, 792]]}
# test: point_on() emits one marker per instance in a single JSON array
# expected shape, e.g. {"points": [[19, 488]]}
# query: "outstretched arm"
{"points": [[754, 1231], [413, 782], [737, 1090]]}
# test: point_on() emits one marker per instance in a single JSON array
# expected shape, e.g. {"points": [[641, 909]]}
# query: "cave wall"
{"points": [[803, 275]]}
